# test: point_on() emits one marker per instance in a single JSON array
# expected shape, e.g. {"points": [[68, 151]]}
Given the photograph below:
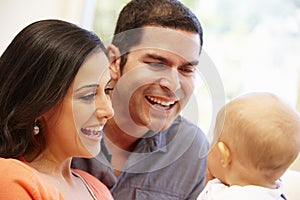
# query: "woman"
{"points": [[54, 103]]}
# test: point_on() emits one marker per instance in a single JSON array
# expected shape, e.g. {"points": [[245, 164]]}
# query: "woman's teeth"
{"points": [[92, 131]]}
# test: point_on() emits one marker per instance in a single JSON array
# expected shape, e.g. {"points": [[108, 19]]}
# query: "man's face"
{"points": [[158, 78]]}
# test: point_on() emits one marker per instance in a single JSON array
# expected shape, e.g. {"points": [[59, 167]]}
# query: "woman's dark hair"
{"points": [[36, 70]]}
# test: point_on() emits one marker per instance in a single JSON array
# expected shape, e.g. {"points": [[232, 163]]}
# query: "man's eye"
{"points": [[187, 70], [88, 97], [154, 64]]}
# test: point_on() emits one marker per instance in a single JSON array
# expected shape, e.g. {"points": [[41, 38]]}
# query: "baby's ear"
{"points": [[225, 154], [114, 59]]}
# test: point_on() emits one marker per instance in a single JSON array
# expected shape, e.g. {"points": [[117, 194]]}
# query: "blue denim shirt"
{"points": [[167, 165]]}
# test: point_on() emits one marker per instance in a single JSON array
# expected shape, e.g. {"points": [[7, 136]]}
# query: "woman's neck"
{"points": [[50, 165], [58, 172]]}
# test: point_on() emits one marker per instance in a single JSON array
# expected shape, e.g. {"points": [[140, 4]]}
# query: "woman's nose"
{"points": [[104, 108]]}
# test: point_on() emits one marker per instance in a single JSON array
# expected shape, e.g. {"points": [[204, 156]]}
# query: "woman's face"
{"points": [[75, 127]]}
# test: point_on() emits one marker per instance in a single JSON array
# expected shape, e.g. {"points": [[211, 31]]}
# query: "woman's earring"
{"points": [[36, 129]]}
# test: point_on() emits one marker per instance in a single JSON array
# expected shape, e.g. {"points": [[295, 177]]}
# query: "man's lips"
{"points": [[166, 104]]}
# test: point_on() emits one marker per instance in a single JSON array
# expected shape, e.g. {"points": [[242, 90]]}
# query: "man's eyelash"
{"points": [[188, 70], [107, 90], [155, 64]]}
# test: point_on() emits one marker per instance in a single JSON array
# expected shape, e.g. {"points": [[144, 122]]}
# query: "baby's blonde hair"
{"points": [[260, 130]]}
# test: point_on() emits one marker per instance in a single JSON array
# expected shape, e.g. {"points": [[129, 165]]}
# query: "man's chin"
{"points": [[159, 124]]}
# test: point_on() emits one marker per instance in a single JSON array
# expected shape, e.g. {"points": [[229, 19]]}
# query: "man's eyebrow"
{"points": [[87, 86], [156, 57], [165, 60]]}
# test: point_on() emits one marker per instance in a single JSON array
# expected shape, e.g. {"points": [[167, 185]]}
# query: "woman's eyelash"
{"points": [[88, 97]]}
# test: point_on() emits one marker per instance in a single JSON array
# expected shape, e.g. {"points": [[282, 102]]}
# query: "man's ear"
{"points": [[225, 154], [114, 60]]}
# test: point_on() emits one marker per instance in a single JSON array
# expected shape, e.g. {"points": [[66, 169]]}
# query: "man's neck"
{"points": [[117, 137], [119, 145]]}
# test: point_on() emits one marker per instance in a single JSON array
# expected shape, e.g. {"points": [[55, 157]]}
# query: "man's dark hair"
{"points": [[162, 13]]}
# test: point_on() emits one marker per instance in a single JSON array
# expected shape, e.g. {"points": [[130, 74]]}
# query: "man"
{"points": [[149, 150]]}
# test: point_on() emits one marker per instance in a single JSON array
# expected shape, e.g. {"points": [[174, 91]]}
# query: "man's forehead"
{"points": [[183, 43]]}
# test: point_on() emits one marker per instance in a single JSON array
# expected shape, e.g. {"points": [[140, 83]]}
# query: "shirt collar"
{"points": [[151, 142], [155, 141]]}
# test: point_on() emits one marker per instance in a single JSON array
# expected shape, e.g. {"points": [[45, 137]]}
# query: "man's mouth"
{"points": [[161, 103], [92, 131]]}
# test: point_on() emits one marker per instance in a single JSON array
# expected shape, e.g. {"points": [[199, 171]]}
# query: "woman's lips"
{"points": [[94, 132]]}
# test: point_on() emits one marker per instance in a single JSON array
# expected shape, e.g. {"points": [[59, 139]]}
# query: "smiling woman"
{"points": [[54, 105], [77, 112]]}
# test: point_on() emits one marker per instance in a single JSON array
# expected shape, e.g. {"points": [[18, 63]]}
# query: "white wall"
{"points": [[16, 14]]}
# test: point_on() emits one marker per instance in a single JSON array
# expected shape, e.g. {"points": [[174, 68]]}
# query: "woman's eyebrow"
{"points": [[87, 86]]}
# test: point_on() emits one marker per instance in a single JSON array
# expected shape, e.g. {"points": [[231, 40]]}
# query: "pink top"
{"points": [[20, 181]]}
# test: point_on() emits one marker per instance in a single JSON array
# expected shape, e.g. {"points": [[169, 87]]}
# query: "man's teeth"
{"points": [[161, 102]]}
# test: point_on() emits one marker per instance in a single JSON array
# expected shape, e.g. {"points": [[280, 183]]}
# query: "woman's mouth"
{"points": [[93, 132]]}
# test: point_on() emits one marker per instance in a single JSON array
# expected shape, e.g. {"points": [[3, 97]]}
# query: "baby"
{"points": [[256, 138]]}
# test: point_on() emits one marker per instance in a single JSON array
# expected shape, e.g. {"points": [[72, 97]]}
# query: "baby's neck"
{"points": [[243, 177], [257, 182]]}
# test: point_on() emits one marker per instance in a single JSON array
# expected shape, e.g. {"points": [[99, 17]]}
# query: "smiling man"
{"points": [[149, 150]]}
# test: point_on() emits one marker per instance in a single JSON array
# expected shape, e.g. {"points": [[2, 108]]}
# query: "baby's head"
{"points": [[256, 138]]}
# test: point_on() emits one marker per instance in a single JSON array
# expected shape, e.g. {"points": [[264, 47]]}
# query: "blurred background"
{"points": [[253, 45]]}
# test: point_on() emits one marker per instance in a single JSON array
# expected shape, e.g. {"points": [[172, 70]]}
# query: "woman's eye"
{"points": [[88, 97]]}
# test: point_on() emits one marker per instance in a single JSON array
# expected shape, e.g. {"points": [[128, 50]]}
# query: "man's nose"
{"points": [[170, 79]]}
